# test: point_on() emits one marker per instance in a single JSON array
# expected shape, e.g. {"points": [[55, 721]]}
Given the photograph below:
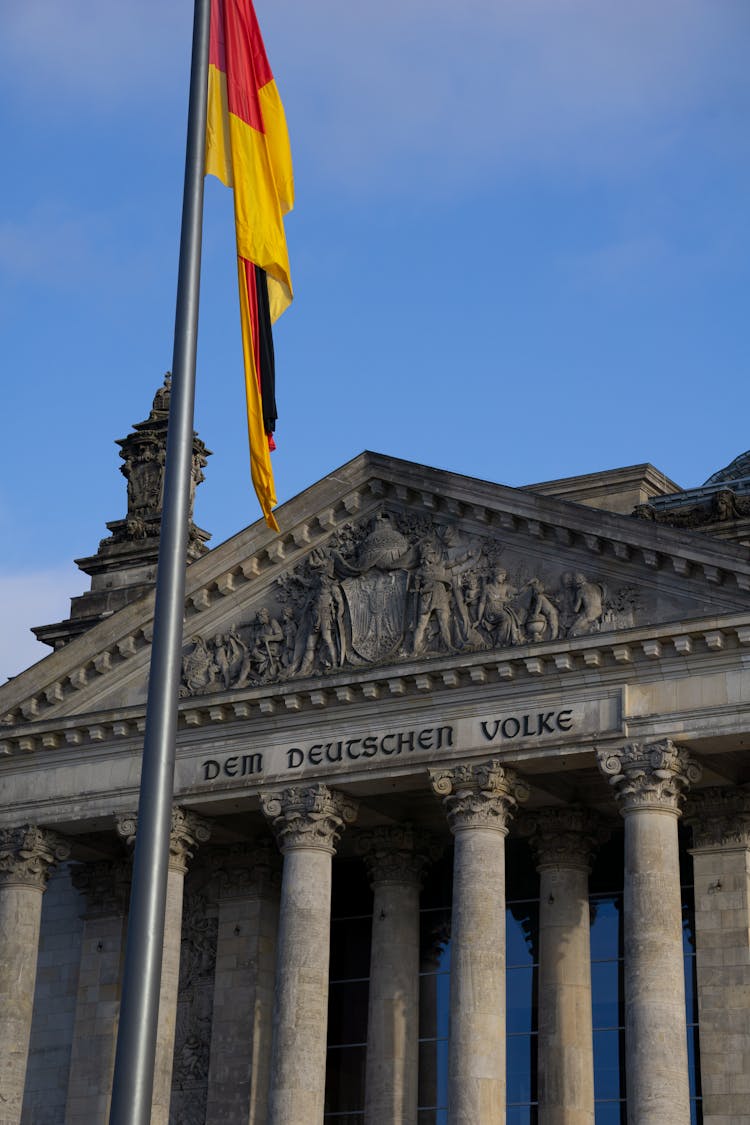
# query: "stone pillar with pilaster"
{"points": [[26, 856], [479, 801], [395, 858], [106, 889], [650, 781], [720, 820], [188, 831], [307, 822], [563, 841], [240, 1060]]}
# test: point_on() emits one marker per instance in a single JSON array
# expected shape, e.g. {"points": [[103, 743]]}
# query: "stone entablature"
{"points": [[648, 649]]}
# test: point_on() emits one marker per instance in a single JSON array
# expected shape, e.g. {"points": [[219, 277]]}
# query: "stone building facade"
{"points": [[461, 830]]}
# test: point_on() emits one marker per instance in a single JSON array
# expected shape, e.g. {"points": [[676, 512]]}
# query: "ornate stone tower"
{"points": [[124, 567]]}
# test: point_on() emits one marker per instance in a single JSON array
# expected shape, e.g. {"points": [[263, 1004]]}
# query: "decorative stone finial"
{"points": [[27, 855], [479, 796], [652, 775], [308, 816]]}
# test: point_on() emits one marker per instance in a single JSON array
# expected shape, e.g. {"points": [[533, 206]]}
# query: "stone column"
{"points": [[720, 819], [563, 841], [242, 1025], [187, 832], [650, 781], [479, 802], [307, 822], [395, 858], [26, 856], [106, 886]]}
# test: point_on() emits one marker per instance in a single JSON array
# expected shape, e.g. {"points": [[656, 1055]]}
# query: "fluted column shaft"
{"points": [[26, 857], [242, 1025], [649, 782], [395, 858], [563, 841], [307, 822], [106, 886], [187, 832], [720, 820], [479, 801]]}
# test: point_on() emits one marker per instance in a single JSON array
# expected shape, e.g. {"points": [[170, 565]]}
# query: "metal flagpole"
{"points": [[139, 1010]]}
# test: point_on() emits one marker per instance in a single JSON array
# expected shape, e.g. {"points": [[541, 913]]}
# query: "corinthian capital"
{"points": [[105, 885], [479, 796], [397, 854], [27, 855], [564, 837], [308, 816], [187, 832], [720, 817], [653, 775]]}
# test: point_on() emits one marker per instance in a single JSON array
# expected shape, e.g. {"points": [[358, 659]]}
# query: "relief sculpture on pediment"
{"points": [[398, 589]]}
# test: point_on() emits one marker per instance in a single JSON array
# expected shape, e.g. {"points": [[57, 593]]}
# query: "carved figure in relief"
{"points": [[434, 583], [588, 605], [289, 629], [322, 625], [496, 613], [542, 619], [266, 653], [232, 657], [458, 558]]}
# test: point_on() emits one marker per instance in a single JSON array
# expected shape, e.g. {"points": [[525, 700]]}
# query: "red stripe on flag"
{"points": [[246, 63], [217, 52]]}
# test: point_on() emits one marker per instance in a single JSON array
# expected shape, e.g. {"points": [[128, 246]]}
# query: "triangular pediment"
{"points": [[386, 564]]}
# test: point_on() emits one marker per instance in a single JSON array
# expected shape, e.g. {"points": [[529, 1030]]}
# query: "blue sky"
{"points": [[520, 251]]}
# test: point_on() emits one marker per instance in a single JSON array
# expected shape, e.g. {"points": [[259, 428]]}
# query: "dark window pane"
{"points": [[607, 1080], [694, 1062], [521, 1056], [691, 1000], [520, 1002], [605, 993], [347, 1013], [521, 1115], [610, 1113], [605, 928], [345, 1080], [433, 1074], [350, 948], [434, 1005], [432, 1117], [521, 933]]}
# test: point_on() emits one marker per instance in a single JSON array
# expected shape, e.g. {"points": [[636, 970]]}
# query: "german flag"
{"points": [[247, 148]]}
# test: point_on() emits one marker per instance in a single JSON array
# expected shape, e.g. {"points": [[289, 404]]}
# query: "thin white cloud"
{"points": [[32, 598]]}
